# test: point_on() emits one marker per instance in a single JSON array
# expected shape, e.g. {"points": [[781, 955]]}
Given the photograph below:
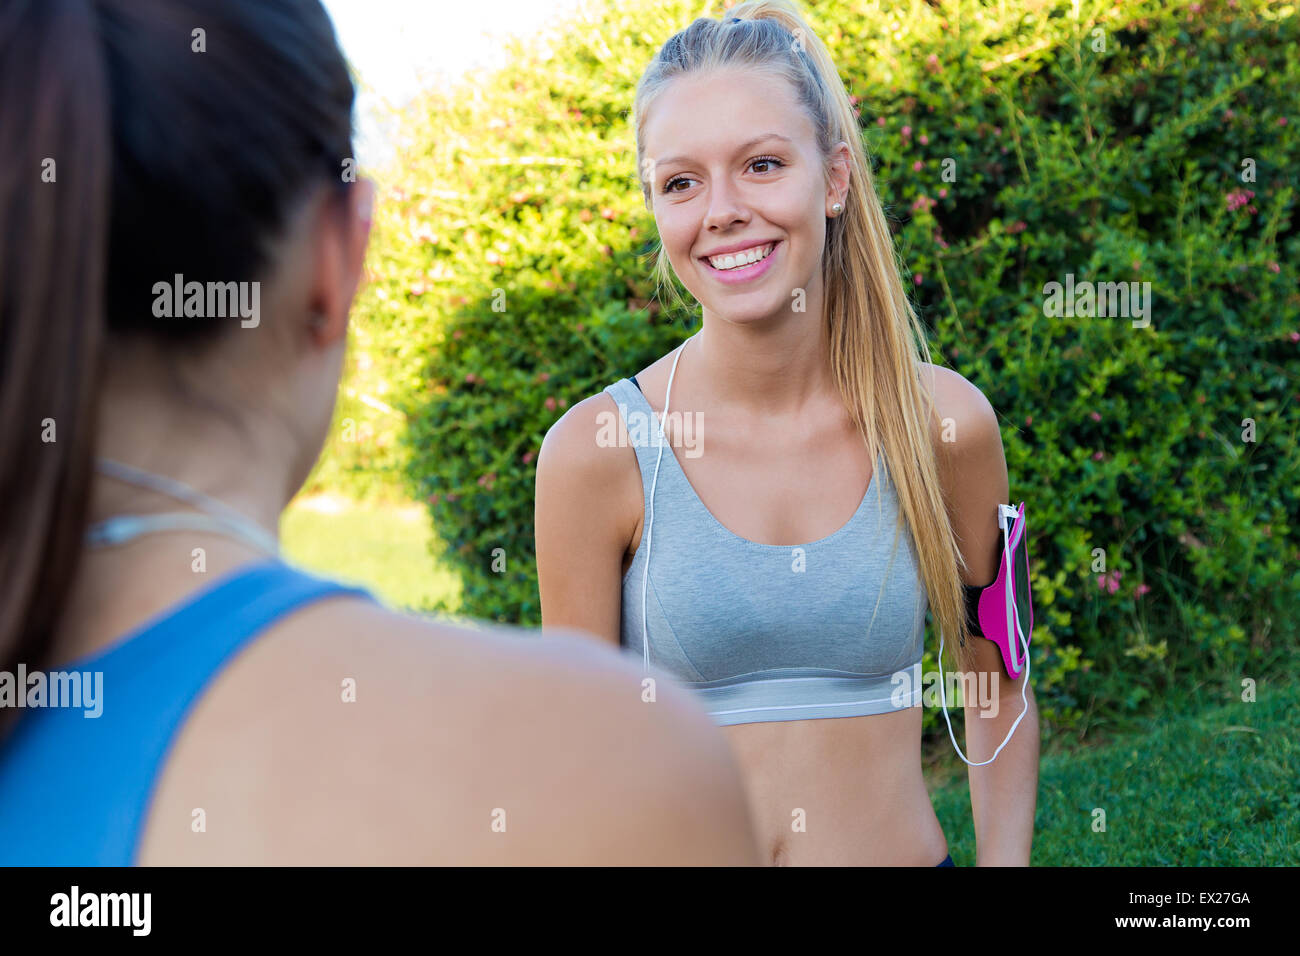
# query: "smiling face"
{"points": [[739, 191]]}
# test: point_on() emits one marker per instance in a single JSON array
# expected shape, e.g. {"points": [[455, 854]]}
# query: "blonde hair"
{"points": [[877, 343]]}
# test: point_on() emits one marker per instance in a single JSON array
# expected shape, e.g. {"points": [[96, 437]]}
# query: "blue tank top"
{"points": [[833, 628], [75, 789]]}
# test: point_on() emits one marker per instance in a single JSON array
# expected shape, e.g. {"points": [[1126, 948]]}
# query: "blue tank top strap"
{"points": [[75, 787]]}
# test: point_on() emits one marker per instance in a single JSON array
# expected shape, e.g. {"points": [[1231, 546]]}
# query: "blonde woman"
{"points": [[820, 485]]}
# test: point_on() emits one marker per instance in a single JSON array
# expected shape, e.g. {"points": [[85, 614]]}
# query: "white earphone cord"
{"points": [[650, 518], [1024, 688], [645, 587]]}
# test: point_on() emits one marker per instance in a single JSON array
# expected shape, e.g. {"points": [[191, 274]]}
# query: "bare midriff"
{"points": [[845, 791]]}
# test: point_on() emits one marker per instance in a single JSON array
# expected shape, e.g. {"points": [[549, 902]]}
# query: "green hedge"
{"points": [[511, 281]]}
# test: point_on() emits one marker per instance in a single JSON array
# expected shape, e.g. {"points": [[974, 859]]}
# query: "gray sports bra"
{"points": [[760, 632]]}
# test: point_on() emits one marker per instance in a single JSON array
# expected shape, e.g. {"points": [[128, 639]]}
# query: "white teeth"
{"points": [[737, 259]]}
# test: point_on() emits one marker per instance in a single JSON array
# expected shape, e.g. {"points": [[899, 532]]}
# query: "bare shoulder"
{"points": [[584, 443], [965, 422], [972, 466], [353, 734]]}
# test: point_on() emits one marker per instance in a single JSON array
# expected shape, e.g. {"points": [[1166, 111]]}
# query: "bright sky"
{"points": [[401, 46]]}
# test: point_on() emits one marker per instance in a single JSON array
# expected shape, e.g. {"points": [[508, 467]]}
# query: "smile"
{"points": [[743, 266], [738, 260]]}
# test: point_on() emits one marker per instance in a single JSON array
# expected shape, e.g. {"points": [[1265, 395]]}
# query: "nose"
{"points": [[725, 207]]}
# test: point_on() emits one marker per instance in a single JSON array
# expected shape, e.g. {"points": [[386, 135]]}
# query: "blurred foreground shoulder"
{"points": [[357, 735], [555, 751]]}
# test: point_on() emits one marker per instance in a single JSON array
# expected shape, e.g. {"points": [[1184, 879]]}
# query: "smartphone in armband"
{"points": [[1003, 612]]}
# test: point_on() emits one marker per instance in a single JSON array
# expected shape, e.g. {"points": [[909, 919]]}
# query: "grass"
{"points": [[382, 546], [1213, 788]]}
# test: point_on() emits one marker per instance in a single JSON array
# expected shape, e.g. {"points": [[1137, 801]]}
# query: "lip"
{"points": [[737, 247], [744, 273]]}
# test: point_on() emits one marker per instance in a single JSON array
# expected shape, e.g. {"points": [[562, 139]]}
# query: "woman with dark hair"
{"points": [[180, 243]]}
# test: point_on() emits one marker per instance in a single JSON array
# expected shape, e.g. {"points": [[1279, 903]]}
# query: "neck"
{"points": [[773, 368], [243, 462]]}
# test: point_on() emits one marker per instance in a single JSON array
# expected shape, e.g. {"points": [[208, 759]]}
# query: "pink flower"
{"points": [[526, 457], [907, 131], [880, 121], [1029, 419], [997, 131], [917, 278], [943, 192], [1097, 456], [923, 140], [918, 166], [1274, 267], [1096, 416], [1141, 590], [1295, 336], [1281, 121], [1238, 198], [550, 403], [543, 376]]}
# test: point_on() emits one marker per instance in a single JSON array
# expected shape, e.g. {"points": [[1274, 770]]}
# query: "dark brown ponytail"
{"points": [[147, 138], [54, 218]]}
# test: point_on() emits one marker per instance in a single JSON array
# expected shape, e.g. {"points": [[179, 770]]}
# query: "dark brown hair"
{"points": [[142, 149]]}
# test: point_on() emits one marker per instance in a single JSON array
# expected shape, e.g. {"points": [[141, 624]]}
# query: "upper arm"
{"points": [[973, 469], [582, 520]]}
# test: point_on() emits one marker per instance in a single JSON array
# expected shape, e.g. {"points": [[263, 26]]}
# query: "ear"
{"points": [[341, 233], [837, 174]]}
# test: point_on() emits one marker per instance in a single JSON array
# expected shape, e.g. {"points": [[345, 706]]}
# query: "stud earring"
{"points": [[837, 208]]}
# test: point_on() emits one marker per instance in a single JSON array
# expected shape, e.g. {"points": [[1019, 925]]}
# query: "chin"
{"points": [[759, 312]]}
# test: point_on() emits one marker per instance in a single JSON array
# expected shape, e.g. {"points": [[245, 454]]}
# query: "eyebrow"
{"points": [[739, 149]]}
